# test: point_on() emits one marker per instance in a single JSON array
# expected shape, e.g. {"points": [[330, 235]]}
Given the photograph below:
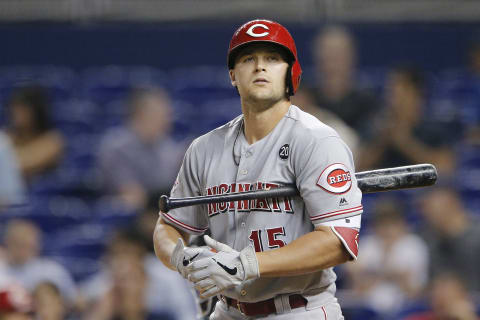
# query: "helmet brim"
{"points": [[232, 56]]}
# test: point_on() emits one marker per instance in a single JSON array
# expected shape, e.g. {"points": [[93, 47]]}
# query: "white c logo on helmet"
{"points": [[257, 35]]}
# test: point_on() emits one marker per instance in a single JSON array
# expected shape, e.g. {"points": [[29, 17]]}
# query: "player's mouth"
{"points": [[260, 80]]}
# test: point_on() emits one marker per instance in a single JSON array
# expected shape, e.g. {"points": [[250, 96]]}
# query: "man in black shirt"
{"points": [[335, 89]]}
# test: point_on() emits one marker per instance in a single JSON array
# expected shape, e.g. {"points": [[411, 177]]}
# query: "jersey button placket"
{"points": [[246, 155], [241, 238], [240, 233]]}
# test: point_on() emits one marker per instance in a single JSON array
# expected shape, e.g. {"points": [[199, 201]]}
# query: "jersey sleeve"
{"points": [[328, 186], [191, 219], [327, 182]]}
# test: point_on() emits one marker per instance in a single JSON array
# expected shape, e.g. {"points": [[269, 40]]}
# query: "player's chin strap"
{"points": [[240, 128]]}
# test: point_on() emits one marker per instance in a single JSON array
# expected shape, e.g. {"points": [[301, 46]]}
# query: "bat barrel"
{"points": [[407, 177]]}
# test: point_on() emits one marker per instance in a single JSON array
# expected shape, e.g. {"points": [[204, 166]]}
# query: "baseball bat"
{"points": [[380, 180]]}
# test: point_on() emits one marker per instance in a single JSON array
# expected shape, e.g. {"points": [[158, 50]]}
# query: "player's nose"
{"points": [[260, 65], [260, 69]]}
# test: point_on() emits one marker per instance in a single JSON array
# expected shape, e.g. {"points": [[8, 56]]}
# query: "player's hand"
{"points": [[182, 256], [226, 269]]}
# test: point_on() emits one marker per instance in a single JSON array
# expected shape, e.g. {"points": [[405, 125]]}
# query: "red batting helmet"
{"points": [[267, 31]]}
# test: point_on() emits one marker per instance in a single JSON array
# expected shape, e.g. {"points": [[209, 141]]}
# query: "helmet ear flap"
{"points": [[296, 76]]}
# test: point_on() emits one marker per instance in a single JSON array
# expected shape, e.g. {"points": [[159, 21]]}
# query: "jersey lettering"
{"points": [[288, 205], [256, 239], [222, 189], [261, 204], [273, 242], [243, 205], [275, 207], [212, 207], [231, 206], [266, 205]]}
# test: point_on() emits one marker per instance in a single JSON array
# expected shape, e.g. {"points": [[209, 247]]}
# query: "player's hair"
{"points": [[36, 99]]}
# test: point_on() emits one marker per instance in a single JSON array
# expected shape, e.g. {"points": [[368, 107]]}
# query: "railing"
{"points": [[303, 11]]}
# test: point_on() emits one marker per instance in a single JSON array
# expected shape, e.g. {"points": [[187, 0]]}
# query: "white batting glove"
{"points": [[182, 256], [226, 269]]}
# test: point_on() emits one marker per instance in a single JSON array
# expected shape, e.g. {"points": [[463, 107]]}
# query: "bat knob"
{"points": [[163, 203]]}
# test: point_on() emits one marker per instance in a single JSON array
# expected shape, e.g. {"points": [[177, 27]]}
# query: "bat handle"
{"points": [[164, 203]]}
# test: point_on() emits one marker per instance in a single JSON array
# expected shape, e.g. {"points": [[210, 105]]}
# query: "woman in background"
{"points": [[38, 146]]}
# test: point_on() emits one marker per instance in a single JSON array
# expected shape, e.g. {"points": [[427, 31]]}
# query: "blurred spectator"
{"points": [[453, 236], [140, 158], [37, 144], [404, 135], [449, 300], [48, 302], [135, 285], [15, 301], [335, 89], [146, 221], [11, 184], [392, 268], [23, 263], [304, 100], [466, 94], [474, 55]]}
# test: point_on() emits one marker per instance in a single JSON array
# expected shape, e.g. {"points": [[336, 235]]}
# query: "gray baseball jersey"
{"points": [[300, 150]]}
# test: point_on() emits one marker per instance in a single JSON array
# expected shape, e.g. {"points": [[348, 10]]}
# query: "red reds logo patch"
{"points": [[336, 178]]}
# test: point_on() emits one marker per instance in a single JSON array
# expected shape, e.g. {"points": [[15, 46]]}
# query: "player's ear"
{"points": [[232, 77]]}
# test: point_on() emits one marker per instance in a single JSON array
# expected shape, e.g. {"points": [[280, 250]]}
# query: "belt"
{"points": [[263, 307]]}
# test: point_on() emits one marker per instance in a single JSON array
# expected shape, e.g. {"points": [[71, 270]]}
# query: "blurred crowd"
{"points": [[419, 250]]}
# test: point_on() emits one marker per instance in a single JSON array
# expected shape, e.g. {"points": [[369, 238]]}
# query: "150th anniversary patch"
{"points": [[336, 178]]}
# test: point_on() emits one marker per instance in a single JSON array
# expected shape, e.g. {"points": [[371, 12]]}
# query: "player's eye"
{"points": [[273, 58], [248, 59]]}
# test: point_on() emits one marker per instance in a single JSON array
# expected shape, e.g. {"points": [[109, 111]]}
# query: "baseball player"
{"points": [[273, 257]]}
